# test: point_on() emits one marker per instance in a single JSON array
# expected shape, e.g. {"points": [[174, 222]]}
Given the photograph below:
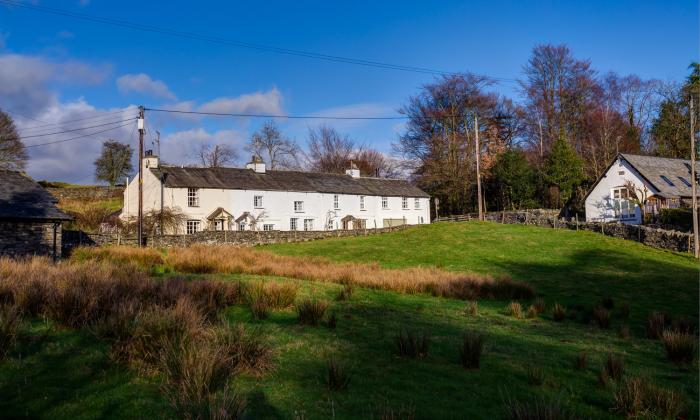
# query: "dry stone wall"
{"points": [[87, 193], [658, 238], [72, 238]]}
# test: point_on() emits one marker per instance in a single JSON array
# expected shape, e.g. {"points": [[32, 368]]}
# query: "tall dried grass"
{"points": [[639, 398], [228, 259]]}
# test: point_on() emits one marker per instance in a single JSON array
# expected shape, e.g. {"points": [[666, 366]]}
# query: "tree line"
{"points": [[544, 150]]}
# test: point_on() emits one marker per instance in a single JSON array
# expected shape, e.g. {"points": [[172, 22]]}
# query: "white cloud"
{"points": [[25, 79], [142, 83], [180, 148], [269, 102]]}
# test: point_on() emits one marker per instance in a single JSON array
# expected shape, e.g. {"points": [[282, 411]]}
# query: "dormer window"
{"points": [[668, 181], [685, 181]]}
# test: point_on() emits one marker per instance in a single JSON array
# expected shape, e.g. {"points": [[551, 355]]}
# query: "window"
{"points": [[404, 203], [218, 224], [298, 206], [268, 227], [668, 181], [420, 220], [192, 226], [624, 208], [257, 201], [685, 181], [385, 202], [241, 225], [329, 225], [620, 172], [362, 202], [193, 197], [336, 203], [416, 203], [293, 224], [308, 224]]}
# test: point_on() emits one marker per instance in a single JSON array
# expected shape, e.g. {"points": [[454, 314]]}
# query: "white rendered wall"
{"points": [[599, 203]]}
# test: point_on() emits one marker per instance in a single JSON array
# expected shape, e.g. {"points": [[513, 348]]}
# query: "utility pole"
{"points": [[141, 132], [696, 243], [158, 142], [478, 172]]}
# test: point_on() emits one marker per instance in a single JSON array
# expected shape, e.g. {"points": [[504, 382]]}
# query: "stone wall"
{"points": [[72, 238], [20, 238], [658, 238], [87, 193]]}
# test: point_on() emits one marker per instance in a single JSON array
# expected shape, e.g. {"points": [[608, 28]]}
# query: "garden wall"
{"points": [[73, 238], [658, 238]]}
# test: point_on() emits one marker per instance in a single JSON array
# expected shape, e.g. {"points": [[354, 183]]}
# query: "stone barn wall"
{"points": [[23, 238]]}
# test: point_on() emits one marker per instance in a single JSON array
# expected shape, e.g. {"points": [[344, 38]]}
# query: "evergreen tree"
{"points": [[564, 170], [512, 182]]}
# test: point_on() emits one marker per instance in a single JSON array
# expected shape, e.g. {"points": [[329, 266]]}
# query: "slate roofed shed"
{"points": [[246, 179]]}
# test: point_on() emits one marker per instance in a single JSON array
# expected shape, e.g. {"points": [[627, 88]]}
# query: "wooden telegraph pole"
{"points": [[696, 243], [140, 216], [478, 172]]}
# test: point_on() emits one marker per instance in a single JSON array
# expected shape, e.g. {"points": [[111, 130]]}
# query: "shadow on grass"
{"points": [[68, 374]]}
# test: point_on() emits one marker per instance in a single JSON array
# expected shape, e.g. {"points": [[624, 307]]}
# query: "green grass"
{"points": [[68, 374]]}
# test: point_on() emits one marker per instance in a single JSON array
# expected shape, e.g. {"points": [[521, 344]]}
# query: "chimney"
{"points": [[150, 160], [353, 171], [256, 164]]}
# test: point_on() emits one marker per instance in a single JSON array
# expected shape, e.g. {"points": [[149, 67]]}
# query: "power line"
{"points": [[292, 117], [70, 126], [224, 41], [100, 116], [77, 129], [78, 137]]}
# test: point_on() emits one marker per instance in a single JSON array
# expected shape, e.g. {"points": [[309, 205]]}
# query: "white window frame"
{"points": [[308, 224], [623, 207], [416, 203], [193, 226], [385, 203], [258, 201], [298, 207], [293, 223], [362, 202], [336, 202], [268, 227], [404, 203], [241, 225], [193, 197], [329, 225]]}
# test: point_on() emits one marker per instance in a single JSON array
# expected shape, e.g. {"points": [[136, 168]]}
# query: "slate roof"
{"points": [[652, 169], [247, 179], [23, 199]]}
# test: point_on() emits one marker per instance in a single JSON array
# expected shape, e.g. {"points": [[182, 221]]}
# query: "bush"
{"points": [[336, 375], [515, 310], [346, 293], [310, 311], [539, 305], [10, 324], [680, 346], [602, 317], [559, 312], [636, 397], [472, 308], [413, 344], [614, 366], [680, 218], [471, 349], [581, 361], [537, 409], [535, 375], [656, 324]]}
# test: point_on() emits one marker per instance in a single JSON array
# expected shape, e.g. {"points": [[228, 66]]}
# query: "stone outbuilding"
{"points": [[30, 222]]}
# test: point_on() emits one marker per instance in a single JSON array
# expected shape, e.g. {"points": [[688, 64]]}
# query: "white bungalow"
{"points": [[658, 183], [254, 198]]}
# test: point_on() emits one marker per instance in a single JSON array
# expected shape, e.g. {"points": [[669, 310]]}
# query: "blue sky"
{"points": [[55, 69]]}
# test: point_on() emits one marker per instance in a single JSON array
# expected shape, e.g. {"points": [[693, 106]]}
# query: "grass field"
{"points": [[58, 373]]}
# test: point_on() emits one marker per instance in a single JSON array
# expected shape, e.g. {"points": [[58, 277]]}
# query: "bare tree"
{"points": [[372, 162], [114, 162], [329, 151], [273, 148], [638, 196], [216, 156], [13, 154]]}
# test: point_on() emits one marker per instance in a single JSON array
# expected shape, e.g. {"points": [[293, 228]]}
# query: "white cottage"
{"points": [[254, 198], [658, 182]]}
